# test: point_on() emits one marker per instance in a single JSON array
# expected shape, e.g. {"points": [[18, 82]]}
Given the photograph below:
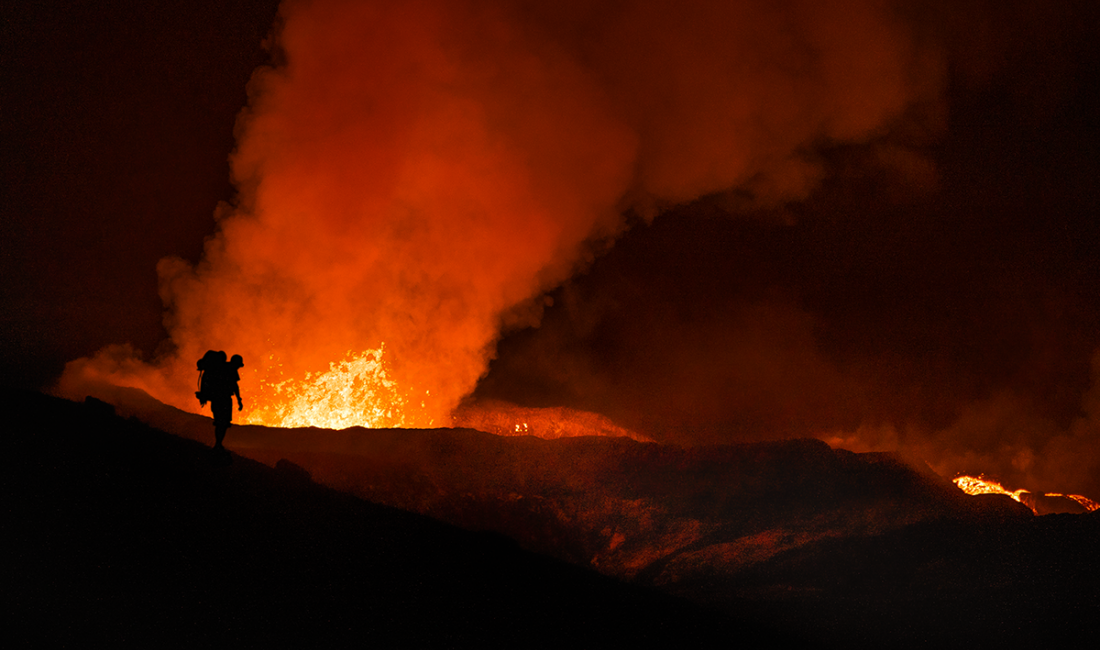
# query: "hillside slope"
{"points": [[125, 535]]}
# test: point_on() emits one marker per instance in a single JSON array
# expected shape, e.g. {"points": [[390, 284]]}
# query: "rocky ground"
{"points": [[127, 533]]}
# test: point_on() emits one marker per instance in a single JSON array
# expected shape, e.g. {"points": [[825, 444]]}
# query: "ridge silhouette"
{"points": [[121, 534], [89, 489]]}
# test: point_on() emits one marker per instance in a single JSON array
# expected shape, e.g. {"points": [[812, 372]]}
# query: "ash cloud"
{"points": [[940, 306], [414, 173], [1011, 440]]}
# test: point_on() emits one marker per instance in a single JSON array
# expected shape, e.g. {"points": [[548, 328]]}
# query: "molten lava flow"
{"points": [[979, 485], [1088, 503], [356, 392]]}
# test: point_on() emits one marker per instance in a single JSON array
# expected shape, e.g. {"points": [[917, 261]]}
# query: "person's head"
{"points": [[237, 361], [221, 356]]}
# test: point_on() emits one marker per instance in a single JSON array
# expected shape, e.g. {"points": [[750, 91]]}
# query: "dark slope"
{"points": [[988, 582], [850, 549], [822, 544], [122, 534]]}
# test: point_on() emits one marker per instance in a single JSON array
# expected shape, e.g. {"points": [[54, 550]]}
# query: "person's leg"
{"points": [[222, 409]]}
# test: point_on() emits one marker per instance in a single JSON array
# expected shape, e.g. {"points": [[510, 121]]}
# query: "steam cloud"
{"points": [[418, 173]]}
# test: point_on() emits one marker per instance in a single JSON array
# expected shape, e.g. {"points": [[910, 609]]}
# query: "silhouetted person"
{"points": [[218, 385]]}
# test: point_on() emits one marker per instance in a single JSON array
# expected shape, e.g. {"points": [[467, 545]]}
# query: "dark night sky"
{"points": [[117, 120], [881, 298]]}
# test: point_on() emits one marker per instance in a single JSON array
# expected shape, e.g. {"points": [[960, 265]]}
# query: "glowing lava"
{"points": [[355, 392], [504, 419], [1088, 503], [979, 485]]}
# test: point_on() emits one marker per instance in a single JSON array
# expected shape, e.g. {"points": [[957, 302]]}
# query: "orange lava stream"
{"points": [[1088, 503], [978, 485]]}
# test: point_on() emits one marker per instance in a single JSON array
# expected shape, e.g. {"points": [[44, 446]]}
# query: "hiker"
{"points": [[218, 385]]}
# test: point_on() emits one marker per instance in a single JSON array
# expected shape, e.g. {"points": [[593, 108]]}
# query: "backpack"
{"points": [[211, 371]]}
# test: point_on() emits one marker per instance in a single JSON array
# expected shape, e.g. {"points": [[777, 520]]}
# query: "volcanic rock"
{"points": [[824, 544], [118, 534]]}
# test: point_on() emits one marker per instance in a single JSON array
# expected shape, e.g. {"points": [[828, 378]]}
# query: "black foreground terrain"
{"points": [[124, 534], [119, 534]]}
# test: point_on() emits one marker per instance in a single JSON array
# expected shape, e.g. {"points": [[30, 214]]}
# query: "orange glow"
{"points": [[978, 485], [421, 173], [356, 392], [504, 419], [1088, 503]]}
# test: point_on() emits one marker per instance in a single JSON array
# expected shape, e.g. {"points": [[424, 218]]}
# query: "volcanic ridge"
{"points": [[127, 534]]}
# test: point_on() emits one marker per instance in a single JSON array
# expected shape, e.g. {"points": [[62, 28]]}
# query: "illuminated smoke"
{"points": [[417, 174], [1003, 436]]}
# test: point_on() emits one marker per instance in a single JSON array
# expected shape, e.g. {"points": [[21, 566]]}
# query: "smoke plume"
{"points": [[1006, 438], [413, 176]]}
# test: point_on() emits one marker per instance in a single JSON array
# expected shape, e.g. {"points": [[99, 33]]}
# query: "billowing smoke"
{"points": [[1005, 437], [415, 175]]}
